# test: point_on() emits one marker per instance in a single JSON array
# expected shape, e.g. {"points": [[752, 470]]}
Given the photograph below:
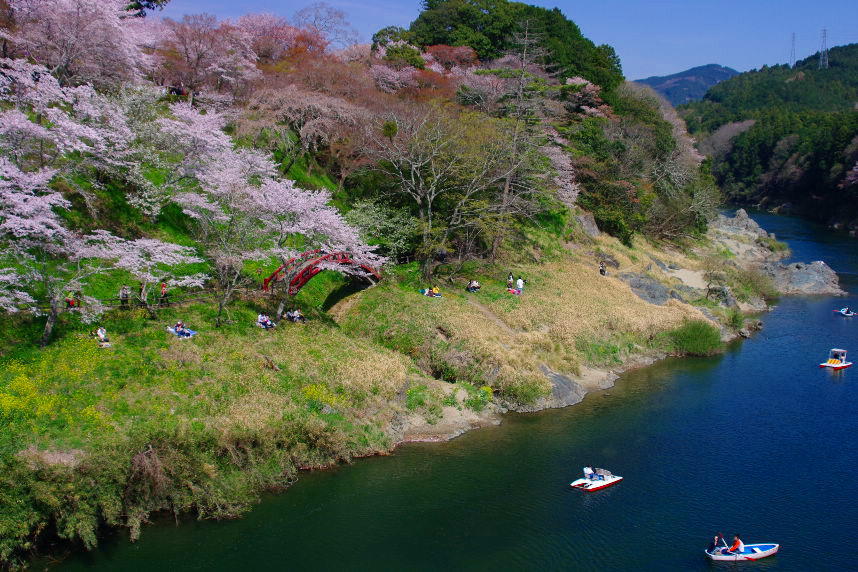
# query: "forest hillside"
{"points": [[786, 138]]}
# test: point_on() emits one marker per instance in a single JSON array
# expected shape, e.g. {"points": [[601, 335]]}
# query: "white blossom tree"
{"points": [[242, 211], [81, 41]]}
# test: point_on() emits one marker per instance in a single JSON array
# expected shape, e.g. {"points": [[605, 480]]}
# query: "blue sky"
{"points": [[652, 37]]}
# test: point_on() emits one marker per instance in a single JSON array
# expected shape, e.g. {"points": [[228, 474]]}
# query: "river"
{"points": [[757, 441]]}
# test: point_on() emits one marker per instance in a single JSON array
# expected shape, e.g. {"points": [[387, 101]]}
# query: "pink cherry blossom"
{"points": [[81, 41]]}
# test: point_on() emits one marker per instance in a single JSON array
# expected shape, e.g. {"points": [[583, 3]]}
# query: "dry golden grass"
{"points": [[513, 338]]}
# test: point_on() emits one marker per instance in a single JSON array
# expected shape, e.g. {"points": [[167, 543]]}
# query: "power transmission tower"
{"points": [[792, 52], [823, 51]]}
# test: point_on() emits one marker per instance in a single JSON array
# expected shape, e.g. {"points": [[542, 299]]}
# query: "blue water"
{"points": [[757, 441]]}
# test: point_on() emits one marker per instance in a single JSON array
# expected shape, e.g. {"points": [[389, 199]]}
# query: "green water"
{"points": [[757, 441]]}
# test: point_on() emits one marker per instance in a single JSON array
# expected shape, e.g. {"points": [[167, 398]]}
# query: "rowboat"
{"points": [[836, 360], [596, 480], [751, 552]]}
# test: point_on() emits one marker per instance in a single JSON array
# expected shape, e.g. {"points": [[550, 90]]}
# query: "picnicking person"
{"points": [[264, 322], [295, 316], [517, 287], [101, 335], [182, 331], [432, 292], [473, 286]]}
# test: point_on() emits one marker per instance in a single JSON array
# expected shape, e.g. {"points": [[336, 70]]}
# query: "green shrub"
{"points": [[773, 244], [735, 318], [477, 399], [416, 397], [403, 55], [695, 338], [751, 282]]}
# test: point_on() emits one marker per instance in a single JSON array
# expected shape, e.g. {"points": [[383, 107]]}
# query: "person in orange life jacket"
{"points": [[738, 546]]}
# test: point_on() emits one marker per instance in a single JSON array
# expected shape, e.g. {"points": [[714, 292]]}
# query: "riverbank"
{"points": [[736, 254], [203, 426]]}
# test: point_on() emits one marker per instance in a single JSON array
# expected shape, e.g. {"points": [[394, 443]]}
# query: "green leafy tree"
{"points": [[489, 27], [142, 6]]}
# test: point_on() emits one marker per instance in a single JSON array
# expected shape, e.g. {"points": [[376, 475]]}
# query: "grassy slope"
{"points": [[156, 423]]}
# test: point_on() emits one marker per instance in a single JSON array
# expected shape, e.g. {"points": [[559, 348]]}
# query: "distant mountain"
{"points": [[689, 85]]}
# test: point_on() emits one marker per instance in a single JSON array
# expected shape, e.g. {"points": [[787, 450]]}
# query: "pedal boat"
{"points": [[601, 482], [751, 552], [836, 360]]}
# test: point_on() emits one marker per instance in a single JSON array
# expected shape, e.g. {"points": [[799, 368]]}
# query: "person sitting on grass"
{"points": [[473, 286], [263, 321], [432, 292], [101, 335], [602, 269], [295, 316], [181, 330]]}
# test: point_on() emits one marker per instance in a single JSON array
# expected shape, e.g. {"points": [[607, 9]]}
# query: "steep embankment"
{"points": [[787, 138]]}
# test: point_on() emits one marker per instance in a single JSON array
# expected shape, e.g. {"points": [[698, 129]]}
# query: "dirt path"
{"points": [[486, 311], [693, 278]]}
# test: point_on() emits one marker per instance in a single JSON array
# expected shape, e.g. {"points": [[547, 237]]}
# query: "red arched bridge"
{"points": [[301, 268]]}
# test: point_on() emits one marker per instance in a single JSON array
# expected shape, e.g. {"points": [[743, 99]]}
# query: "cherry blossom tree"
{"points": [[226, 217], [199, 52], [38, 253], [13, 295], [271, 37], [241, 210], [317, 119], [391, 80], [47, 133], [328, 21], [150, 261], [81, 41], [288, 211]]}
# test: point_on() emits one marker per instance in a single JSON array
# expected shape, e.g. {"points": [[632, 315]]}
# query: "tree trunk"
{"points": [[143, 297], [221, 304], [281, 306], [53, 315]]}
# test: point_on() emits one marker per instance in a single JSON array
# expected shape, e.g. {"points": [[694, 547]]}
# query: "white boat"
{"points": [[595, 480], [751, 552], [836, 360]]}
